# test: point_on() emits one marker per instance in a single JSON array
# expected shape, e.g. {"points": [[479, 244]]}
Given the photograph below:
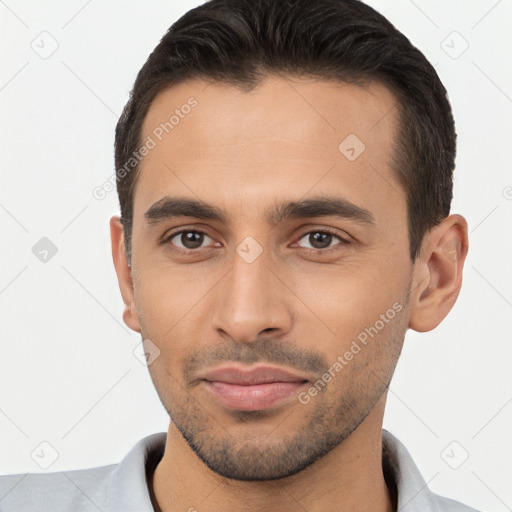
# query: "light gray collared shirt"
{"points": [[123, 487]]}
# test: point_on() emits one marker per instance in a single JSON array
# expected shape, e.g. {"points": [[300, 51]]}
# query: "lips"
{"points": [[252, 376], [252, 389]]}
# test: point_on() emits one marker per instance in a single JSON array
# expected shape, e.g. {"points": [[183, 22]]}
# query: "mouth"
{"points": [[252, 389]]}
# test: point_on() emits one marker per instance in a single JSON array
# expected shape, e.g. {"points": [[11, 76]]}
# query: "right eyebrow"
{"points": [[171, 207]]}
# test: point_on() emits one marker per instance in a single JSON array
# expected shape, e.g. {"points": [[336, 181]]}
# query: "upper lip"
{"points": [[251, 376]]}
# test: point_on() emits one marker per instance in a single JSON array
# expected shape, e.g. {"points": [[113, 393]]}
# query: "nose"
{"points": [[251, 301]]}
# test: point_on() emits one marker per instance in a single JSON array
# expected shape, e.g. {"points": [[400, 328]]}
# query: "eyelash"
{"points": [[327, 231]]}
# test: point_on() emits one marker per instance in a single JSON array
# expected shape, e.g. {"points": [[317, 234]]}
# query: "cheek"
{"points": [[364, 359], [348, 298], [367, 317], [166, 297], [172, 305]]}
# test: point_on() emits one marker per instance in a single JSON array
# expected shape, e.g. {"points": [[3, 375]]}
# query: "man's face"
{"points": [[299, 287]]}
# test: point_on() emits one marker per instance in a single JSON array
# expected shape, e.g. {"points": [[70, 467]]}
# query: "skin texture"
{"points": [[298, 305]]}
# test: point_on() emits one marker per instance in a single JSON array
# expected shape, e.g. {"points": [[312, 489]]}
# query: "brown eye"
{"points": [[189, 239], [319, 240]]}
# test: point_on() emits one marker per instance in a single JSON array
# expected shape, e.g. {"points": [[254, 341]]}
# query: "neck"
{"points": [[351, 474]]}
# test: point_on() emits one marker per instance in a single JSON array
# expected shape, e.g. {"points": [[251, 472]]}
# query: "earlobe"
{"points": [[124, 274], [437, 276]]}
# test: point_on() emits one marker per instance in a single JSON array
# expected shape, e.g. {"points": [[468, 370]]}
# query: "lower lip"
{"points": [[253, 398]]}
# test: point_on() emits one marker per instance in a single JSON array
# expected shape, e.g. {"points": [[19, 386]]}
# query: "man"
{"points": [[284, 170]]}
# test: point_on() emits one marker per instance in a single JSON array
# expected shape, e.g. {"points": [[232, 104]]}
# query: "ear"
{"points": [[124, 274], [437, 275]]}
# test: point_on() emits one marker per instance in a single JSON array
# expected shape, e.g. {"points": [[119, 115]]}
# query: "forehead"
{"points": [[314, 107], [282, 137]]}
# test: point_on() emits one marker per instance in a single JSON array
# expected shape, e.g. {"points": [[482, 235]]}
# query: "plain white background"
{"points": [[68, 373]]}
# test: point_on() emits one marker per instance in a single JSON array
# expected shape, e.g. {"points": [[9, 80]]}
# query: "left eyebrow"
{"points": [[320, 206]]}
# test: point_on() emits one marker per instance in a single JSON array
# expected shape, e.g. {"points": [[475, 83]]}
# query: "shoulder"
{"points": [[449, 505], [118, 487], [78, 490]]}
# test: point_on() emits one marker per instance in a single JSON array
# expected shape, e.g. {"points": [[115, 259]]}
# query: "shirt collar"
{"points": [[412, 490], [128, 490]]}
